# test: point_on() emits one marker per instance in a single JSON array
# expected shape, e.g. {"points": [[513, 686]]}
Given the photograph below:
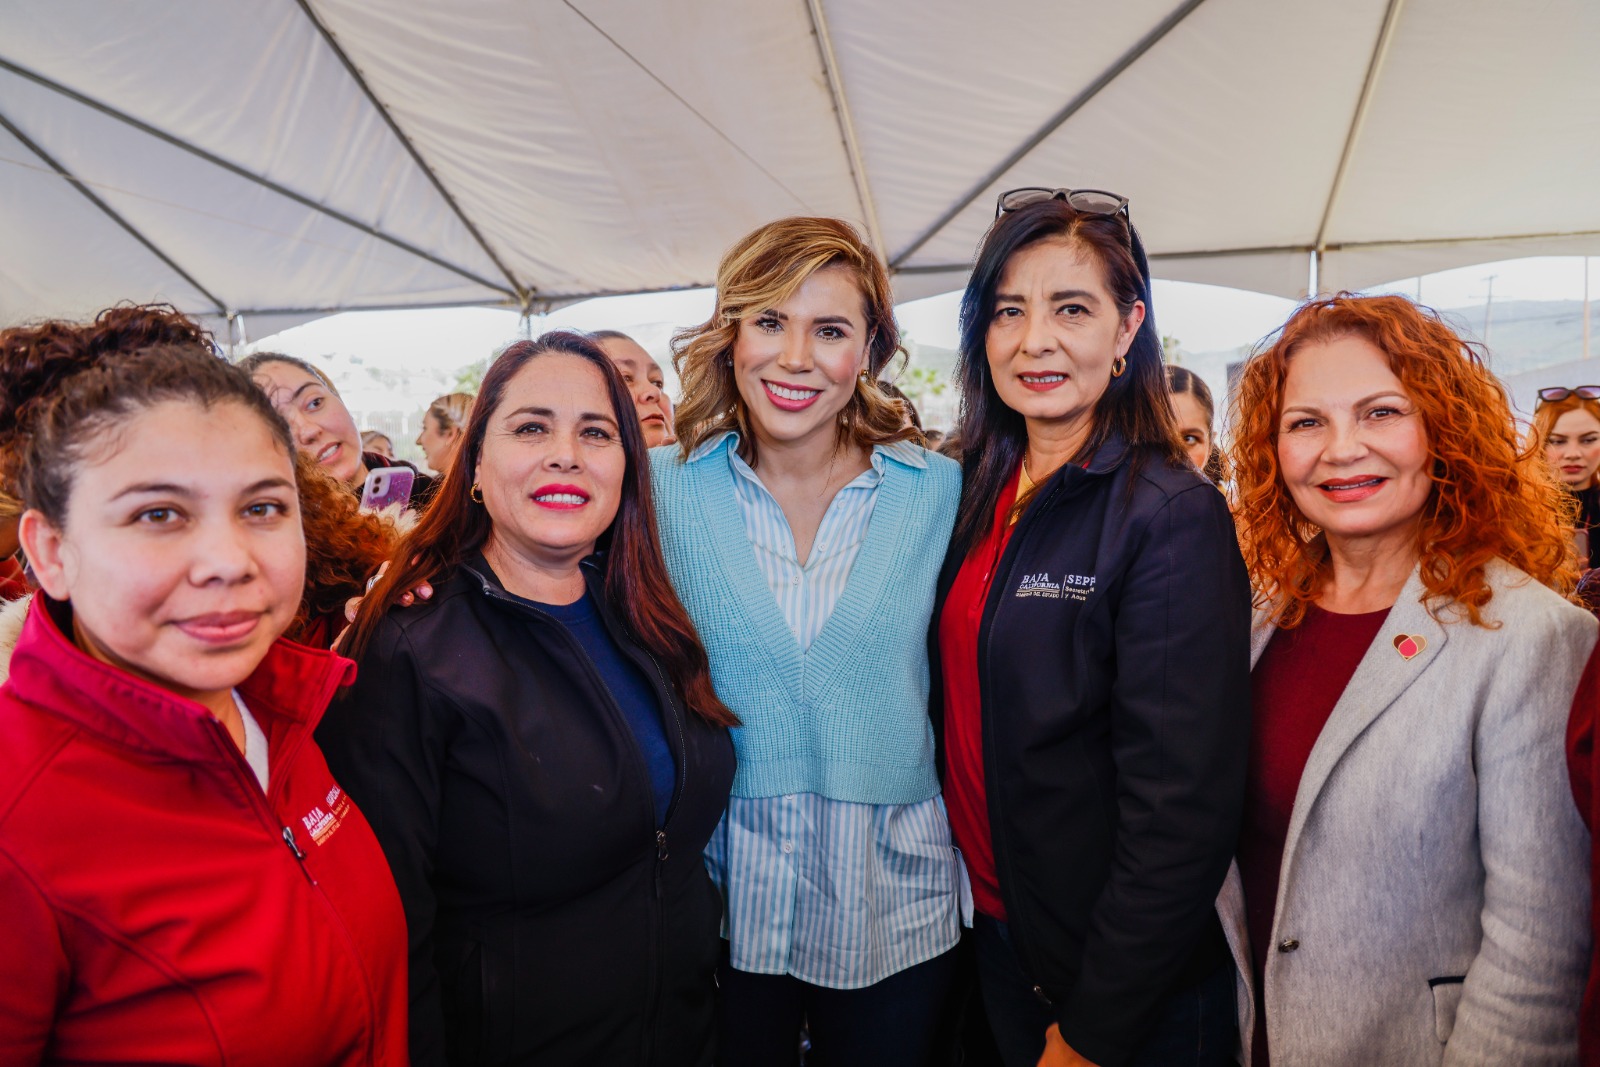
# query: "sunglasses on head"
{"points": [[1083, 201], [1557, 393]]}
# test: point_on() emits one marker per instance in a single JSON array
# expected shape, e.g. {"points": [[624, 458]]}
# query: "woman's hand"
{"points": [[1057, 1053], [353, 605]]}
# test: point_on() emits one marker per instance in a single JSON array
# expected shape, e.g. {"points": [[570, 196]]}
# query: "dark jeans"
{"points": [[1196, 1027], [897, 1022]]}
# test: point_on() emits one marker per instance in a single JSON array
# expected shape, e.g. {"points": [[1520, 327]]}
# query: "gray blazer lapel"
{"points": [[1381, 677]]}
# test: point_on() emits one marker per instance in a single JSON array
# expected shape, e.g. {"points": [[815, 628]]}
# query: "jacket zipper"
{"points": [[658, 834], [258, 800], [1002, 575], [653, 1006]]}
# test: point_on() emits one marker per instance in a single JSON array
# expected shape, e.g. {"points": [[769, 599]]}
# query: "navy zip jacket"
{"points": [[550, 922], [1114, 668]]}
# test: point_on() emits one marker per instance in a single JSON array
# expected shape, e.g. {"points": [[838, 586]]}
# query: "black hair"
{"points": [[79, 409], [1134, 405]]}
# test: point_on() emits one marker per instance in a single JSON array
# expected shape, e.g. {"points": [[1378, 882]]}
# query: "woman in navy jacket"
{"points": [[538, 746], [1093, 642]]}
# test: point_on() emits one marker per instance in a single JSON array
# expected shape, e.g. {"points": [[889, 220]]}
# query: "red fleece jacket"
{"points": [[158, 906]]}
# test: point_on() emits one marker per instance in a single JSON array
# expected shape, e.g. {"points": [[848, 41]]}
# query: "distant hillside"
{"points": [[1524, 336]]}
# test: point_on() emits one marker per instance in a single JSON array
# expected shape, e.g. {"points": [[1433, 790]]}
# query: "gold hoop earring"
{"points": [[1120, 365], [475, 493]]}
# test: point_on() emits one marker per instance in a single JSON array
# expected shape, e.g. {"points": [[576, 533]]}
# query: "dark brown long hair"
{"points": [[636, 583], [1134, 405]]}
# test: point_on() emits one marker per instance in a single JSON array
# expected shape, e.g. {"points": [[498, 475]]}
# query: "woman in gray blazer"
{"points": [[1411, 885]]}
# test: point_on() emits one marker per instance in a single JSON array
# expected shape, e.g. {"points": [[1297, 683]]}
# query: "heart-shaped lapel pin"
{"points": [[1410, 646]]}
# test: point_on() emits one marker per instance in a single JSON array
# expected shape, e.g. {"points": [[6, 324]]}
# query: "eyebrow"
{"points": [[1364, 400], [820, 320], [173, 489], [547, 413], [1060, 295], [312, 384]]}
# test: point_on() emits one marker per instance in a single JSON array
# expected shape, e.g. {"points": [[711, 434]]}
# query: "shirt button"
{"points": [[795, 580], [788, 847], [1288, 944]]}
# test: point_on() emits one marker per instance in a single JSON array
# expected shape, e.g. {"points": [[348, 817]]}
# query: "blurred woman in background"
{"points": [[377, 442], [1566, 425], [442, 427], [644, 380], [322, 426], [1412, 880], [1196, 417]]}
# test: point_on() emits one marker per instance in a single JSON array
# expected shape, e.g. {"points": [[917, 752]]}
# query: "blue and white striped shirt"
{"points": [[837, 894]]}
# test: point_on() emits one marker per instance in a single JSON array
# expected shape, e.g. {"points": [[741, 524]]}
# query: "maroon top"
{"points": [[1299, 678], [1583, 761]]}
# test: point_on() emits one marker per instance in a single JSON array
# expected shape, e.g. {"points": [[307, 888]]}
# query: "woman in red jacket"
{"points": [[183, 881]]}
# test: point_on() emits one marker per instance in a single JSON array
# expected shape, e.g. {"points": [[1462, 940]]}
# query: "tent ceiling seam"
{"points": [[1380, 51], [847, 126], [1303, 249], [112, 213], [522, 292], [1106, 77], [238, 171], [696, 112]]}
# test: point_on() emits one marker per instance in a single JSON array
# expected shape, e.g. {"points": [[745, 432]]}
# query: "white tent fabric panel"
{"points": [[291, 156], [614, 149], [61, 256]]}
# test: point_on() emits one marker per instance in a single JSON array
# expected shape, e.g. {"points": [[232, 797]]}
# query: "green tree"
{"points": [[470, 378]]}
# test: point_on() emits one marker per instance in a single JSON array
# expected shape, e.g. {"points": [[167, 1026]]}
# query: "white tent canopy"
{"points": [[280, 159]]}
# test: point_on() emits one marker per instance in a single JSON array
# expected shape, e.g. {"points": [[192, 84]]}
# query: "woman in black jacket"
{"points": [[538, 746], [1093, 641]]}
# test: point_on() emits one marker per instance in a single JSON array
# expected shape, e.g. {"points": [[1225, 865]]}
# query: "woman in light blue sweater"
{"points": [[803, 528]]}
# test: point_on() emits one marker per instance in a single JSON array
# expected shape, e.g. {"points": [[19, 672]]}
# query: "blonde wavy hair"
{"points": [[761, 271], [451, 410], [1494, 497]]}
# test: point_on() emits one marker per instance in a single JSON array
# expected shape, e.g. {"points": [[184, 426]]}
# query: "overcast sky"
{"points": [[1203, 317]]}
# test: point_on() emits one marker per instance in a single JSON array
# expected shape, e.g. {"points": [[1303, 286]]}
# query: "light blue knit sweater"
{"points": [[849, 718]]}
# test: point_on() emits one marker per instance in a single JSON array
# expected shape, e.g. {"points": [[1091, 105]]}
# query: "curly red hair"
{"points": [[1493, 497]]}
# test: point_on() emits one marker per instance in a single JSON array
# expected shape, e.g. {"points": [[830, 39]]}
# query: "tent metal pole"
{"points": [[1380, 52], [112, 213], [411, 149], [847, 126], [238, 171], [1107, 76]]}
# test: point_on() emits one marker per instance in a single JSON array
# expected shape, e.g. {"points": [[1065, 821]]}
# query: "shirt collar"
{"points": [[903, 452]]}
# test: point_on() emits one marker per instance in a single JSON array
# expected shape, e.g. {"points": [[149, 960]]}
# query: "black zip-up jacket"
{"points": [[550, 922], [1114, 668]]}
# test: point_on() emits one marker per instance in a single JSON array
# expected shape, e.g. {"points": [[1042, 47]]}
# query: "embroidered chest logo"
{"points": [[321, 821], [1070, 587]]}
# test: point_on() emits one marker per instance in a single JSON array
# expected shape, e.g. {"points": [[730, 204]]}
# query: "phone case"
{"points": [[386, 487]]}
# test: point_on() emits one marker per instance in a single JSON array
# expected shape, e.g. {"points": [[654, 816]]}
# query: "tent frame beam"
{"points": [[847, 127], [238, 171], [1272, 250], [522, 292], [1059, 119], [1358, 120], [112, 213]]}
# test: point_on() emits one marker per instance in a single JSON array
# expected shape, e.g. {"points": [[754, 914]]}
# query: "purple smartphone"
{"points": [[386, 487]]}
